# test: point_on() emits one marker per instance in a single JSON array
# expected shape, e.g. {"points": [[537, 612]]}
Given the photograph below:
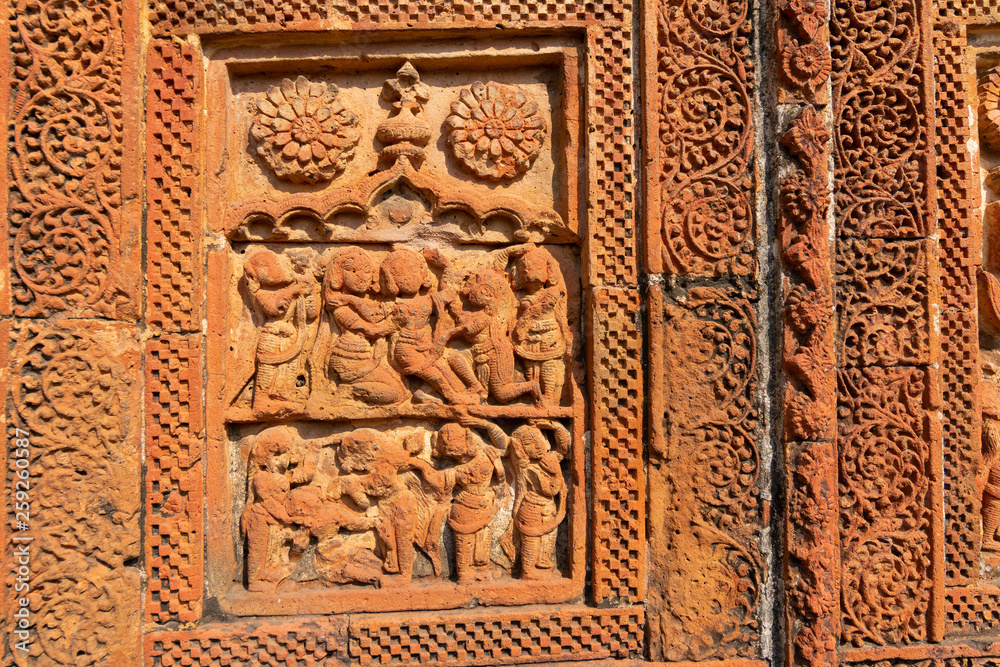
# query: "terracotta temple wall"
{"points": [[447, 332]]}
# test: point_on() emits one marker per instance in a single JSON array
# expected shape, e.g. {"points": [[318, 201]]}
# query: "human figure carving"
{"points": [[990, 466], [397, 511], [539, 496], [541, 332], [488, 326], [417, 349], [276, 462], [285, 299], [354, 360], [988, 476], [479, 478]]}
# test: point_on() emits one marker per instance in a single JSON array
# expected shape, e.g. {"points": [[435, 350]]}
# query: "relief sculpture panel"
{"points": [[328, 341], [403, 397]]}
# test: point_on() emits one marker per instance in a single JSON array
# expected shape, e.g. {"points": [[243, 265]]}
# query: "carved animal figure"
{"points": [[340, 557], [405, 511]]}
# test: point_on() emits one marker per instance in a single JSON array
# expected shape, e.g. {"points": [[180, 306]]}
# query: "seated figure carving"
{"points": [[353, 359], [406, 276]]}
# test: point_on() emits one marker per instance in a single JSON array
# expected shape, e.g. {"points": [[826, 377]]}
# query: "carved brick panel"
{"points": [[700, 139], [173, 273], [73, 394], [70, 248], [887, 436], [706, 572], [497, 638], [174, 470], [616, 449], [331, 310]]}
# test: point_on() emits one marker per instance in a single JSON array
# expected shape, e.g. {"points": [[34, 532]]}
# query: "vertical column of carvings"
{"points": [[174, 550], [173, 222], [619, 494], [68, 252], [699, 136], [615, 342], [72, 413], [959, 245], [886, 282], [705, 572], [809, 360], [611, 256], [72, 399]]}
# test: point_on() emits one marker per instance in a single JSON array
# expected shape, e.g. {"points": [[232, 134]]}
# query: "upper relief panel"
{"points": [[472, 148]]}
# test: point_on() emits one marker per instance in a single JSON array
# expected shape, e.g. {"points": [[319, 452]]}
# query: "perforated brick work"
{"points": [[174, 472], [497, 637], [616, 450], [173, 224]]}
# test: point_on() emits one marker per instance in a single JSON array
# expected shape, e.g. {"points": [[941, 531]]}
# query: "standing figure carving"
{"points": [[989, 469], [541, 333], [539, 497], [479, 482], [287, 301]]}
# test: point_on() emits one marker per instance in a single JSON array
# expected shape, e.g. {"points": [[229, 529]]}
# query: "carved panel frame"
{"points": [[614, 378]]}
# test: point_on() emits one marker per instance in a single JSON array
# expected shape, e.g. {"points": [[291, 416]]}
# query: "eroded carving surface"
{"points": [[73, 402], [707, 579]]}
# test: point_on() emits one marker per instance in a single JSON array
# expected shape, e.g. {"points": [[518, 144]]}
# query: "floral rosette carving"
{"points": [[61, 600], [807, 65], [989, 109], [304, 131], [495, 131], [804, 53]]}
